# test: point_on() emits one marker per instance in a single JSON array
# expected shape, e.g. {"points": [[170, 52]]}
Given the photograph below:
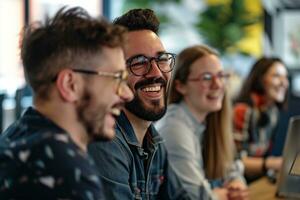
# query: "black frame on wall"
{"points": [[275, 27]]}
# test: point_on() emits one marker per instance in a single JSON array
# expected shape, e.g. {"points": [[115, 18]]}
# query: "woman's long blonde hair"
{"points": [[218, 151]]}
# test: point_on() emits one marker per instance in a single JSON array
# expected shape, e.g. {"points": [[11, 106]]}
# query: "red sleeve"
{"points": [[241, 111], [241, 120]]}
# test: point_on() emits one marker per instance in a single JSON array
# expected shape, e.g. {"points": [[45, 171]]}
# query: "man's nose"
{"points": [[154, 70]]}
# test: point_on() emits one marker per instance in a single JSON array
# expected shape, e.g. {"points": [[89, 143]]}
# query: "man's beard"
{"points": [[92, 118], [137, 107]]}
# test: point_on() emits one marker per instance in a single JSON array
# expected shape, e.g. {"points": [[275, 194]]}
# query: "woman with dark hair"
{"points": [[197, 127], [256, 114]]}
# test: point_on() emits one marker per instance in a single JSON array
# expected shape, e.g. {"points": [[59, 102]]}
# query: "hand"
{"points": [[273, 162], [237, 190], [221, 193]]}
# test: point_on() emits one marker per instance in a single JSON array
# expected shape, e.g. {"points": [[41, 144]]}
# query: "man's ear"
{"points": [[180, 87], [67, 85]]}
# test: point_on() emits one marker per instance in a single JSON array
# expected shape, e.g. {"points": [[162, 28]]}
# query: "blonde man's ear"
{"points": [[67, 84]]}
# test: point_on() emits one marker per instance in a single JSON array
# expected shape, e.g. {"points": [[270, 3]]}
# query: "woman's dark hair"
{"points": [[254, 82]]}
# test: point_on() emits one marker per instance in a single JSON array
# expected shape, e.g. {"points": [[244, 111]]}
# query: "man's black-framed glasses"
{"points": [[140, 65], [120, 76]]}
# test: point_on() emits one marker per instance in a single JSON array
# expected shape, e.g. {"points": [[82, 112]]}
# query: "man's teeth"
{"points": [[115, 111], [152, 89]]}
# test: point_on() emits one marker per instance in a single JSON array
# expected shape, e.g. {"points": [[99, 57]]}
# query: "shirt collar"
{"points": [[197, 126], [40, 120], [124, 125]]}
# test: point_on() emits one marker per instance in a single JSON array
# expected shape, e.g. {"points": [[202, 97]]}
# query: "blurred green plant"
{"points": [[223, 25]]}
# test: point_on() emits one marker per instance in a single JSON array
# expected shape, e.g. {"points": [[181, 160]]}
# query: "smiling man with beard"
{"points": [[76, 68], [135, 165]]}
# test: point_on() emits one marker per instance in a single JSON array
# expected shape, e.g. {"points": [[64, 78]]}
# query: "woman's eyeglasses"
{"points": [[208, 78]]}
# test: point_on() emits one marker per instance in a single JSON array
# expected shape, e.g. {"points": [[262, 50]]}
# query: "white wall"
{"points": [[11, 22]]}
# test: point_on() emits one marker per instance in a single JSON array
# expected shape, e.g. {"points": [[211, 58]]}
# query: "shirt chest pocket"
{"points": [[156, 180]]}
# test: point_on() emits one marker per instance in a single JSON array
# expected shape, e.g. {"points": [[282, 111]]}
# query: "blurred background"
{"points": [[241, 30]]}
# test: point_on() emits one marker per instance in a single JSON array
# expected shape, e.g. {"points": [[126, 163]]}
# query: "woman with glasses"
{"points": [[197, 129], [256, 114]]}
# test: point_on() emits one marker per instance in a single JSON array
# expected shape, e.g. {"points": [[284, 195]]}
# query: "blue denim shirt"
{"points": [[129, 171]]}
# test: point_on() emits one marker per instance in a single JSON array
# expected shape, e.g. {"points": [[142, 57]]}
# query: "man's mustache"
{"points": [[149, 81]]}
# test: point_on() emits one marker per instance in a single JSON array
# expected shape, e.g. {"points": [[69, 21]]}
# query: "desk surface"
{"points": [[262, 189]]}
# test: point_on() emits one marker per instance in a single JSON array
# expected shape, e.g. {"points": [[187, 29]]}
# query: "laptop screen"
{"points": [[289, 177]]}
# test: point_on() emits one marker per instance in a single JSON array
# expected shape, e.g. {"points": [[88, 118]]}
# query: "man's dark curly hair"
{"points": [[69, 40], [139, 19]]}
